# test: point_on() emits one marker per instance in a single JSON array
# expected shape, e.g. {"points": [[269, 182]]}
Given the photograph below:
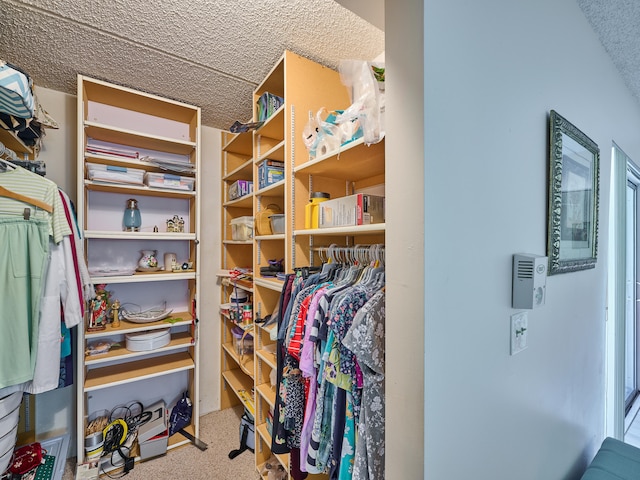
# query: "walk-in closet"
{"points": [[200, 219]]}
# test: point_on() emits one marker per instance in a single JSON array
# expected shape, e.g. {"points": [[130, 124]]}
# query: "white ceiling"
{"points": [[213, 53], [617, 24], [209, 53]]}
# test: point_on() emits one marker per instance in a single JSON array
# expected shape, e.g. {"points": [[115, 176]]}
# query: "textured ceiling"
{"points": [[617, 24], [208, 53]]}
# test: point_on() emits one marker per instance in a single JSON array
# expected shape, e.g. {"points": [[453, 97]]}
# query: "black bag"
{"points": [[180, 414]]}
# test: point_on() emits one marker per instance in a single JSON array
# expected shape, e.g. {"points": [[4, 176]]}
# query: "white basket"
{"points": [[9, 416]]}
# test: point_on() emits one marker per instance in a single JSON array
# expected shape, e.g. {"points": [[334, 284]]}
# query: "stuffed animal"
{"points": [[274, 469]]}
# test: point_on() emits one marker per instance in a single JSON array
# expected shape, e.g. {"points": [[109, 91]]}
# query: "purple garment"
{"points": [[308, 368]]}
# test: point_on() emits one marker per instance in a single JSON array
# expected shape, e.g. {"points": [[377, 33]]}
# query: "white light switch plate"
{"points": [[519, 331]]}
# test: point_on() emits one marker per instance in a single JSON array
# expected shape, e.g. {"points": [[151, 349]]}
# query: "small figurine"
{"points": [[98, 308], [175, 224], [115, 309]]}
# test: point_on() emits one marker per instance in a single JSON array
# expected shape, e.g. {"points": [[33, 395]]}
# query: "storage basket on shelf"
{"points": [[277, 223], [263, 220]]}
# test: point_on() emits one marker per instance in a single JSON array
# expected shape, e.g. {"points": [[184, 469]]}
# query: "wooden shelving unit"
{"points": [[305, 87], [118, 117]]}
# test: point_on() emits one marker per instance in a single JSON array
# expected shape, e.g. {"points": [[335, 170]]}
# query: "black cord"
{"points": [[126, 465], [114, 437]]}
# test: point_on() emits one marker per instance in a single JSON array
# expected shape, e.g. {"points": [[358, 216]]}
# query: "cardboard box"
{"points": [[153, 436], [352, 210], [155, 446], [239, 188], [270, 172]]}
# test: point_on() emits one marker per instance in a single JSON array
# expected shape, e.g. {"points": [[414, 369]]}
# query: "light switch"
{"points": [[519, 330]]}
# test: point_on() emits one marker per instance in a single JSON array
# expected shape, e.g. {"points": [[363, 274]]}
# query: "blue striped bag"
{"points": [[16, 95]]}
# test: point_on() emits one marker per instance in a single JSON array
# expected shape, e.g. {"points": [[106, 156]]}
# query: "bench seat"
{"points": [[615, 460]]}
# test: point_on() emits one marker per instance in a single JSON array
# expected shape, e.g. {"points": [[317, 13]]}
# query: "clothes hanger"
{"points": [[23, 198], [4, 192]]}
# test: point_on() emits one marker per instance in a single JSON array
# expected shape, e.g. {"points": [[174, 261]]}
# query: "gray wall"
{"points": [[492, 71]]}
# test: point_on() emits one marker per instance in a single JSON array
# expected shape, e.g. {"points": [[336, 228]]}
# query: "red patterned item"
{"points": [[27, 458]]}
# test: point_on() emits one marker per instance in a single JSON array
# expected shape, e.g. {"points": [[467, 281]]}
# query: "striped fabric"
{"points": [[33, 185], [16, 96]]}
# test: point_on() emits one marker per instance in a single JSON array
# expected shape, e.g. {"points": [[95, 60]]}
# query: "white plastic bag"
{"points": [[365, 81]]}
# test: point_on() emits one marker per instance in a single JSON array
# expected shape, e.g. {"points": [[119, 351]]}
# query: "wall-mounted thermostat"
{"points": [[529, 280]]}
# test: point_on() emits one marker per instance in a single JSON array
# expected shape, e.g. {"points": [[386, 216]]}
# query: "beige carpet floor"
{"points": [[220, 431]]}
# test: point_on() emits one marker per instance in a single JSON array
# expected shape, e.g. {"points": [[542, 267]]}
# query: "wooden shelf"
{"points": [[178, 341], [243, 172], [268, 393], [240, 143], [143, 190], [122, 373], [266, 437], [268, 357], [238, 242], [353, 230], [108, 235], [131, 138], [274, 153], [273, 190], [245, 285], [271, 284], [11, 140], [274, 80], [264, 433], [128, 99], [238, 382], [355, 161], [243, 202], [245, 363], [273, 127], [183, 318], [141, 277], [277, 236]]}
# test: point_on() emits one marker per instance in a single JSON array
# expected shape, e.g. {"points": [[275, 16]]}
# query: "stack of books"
{"points": [[268, 103]]}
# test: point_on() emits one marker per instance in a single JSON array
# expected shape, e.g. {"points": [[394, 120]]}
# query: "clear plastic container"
{"points": [[277, 223], [242, 228], [242, 346]]}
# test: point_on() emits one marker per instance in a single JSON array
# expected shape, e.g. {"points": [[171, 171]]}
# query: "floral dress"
{"points": [[365, 339]]}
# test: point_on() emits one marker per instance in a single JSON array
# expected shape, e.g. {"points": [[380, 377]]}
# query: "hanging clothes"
{"points": [[61, 284], [329, 405], [26, 247], [365, 339]]}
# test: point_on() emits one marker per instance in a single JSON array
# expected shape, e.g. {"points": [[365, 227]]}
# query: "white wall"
{"points": [[492, 71], [55, 410], [210, 248], [404, 173]]}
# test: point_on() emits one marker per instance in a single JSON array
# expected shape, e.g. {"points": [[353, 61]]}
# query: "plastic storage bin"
{"points": [[277, 223], [113, 174], [166, 180], [242, 346], [242, 228], [155, 446]]}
